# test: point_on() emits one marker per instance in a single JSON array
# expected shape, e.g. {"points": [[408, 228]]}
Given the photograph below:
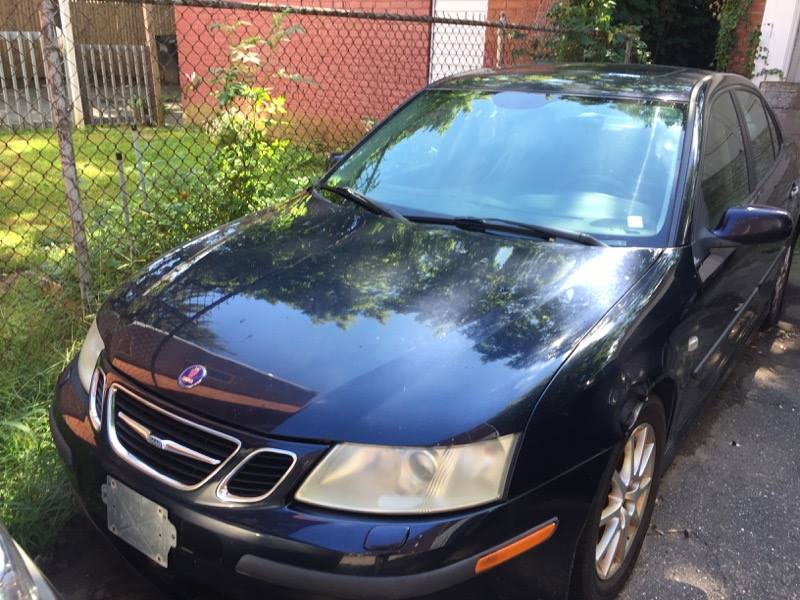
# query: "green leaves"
{"points": [[731, 14], [236, 85], [588, 33]]}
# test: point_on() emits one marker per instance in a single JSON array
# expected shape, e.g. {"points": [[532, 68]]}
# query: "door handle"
{"points": [[794, 191]]}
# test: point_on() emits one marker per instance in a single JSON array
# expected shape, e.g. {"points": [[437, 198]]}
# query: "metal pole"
{"points": [[48, 13], [501, 40], [137, 150], [123, 196]]}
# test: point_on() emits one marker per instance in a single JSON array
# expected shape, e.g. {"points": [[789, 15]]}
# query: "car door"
{"points": [[772, 170], [725, 277]]}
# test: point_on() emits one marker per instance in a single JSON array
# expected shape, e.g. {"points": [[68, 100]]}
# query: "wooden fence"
{"points": [[93, 22]]}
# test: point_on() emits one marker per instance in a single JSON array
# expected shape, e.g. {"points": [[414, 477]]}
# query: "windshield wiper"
{"points": [[509, 226], [363, 201]]}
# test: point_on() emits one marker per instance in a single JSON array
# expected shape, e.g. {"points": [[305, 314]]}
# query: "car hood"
{"points": [[325, 322]]}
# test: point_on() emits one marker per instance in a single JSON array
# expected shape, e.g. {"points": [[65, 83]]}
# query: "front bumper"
{"points": [[302, 550]]}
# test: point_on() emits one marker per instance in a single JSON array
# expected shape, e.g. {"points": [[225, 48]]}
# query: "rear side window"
{"points": [[725, 181], [757, 122]]}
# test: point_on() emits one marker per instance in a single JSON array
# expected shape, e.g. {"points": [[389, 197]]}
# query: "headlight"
{"points": [[90, 351], [387, 480]]}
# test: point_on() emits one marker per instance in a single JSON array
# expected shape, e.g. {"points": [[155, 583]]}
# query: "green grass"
{"points": [[39, 331], [41, 317], [34, 224]]}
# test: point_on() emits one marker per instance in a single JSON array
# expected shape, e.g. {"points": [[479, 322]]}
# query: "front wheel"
{"points": [[620, 516]]}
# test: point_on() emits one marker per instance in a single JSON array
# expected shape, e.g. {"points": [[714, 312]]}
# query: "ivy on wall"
{"points": [[753, 52], [730, 14]]}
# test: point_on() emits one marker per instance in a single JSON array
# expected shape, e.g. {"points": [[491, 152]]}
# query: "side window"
{"points": [[755, 117], [724, 178]]}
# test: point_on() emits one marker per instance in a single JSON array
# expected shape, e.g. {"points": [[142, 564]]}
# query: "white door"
{"points": [[457, 48]]}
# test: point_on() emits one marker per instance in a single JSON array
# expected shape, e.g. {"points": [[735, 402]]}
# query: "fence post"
{"points": [[155, 68], [123, 197], [56, 82], [628, 49], [71, 62], [501, 40], [137, 150]]}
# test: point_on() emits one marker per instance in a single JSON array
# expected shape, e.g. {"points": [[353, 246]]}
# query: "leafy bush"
{"points": [[248, 175], [590, 34], [250, 167]]}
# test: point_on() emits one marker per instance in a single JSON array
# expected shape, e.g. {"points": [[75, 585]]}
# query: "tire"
{"points": [[779, 293], [587, 581]]}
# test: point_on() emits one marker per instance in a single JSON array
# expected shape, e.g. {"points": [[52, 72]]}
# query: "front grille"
{"points": [[169, 447], [257, 476]]}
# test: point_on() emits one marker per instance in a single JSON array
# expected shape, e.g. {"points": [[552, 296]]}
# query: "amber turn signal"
{"points": [[523, 544]]}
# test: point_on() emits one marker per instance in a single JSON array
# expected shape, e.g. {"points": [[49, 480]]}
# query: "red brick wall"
{"points": [[526, 12], [738, 62], [521, 11], [359, 68]]}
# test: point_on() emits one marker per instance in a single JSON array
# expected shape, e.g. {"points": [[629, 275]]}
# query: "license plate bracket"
{"points": [[139, 521]]}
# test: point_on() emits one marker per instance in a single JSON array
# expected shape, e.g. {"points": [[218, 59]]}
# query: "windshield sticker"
{"points": [[635, 222]]}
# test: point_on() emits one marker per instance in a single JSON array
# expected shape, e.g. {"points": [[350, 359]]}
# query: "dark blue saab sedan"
{"points": [[460, 362]]}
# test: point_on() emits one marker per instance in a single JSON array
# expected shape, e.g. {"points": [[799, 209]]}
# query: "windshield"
{"points": [[601, 166]]}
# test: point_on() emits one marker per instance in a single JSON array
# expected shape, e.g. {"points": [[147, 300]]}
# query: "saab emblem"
{"points": [[156, 441], [192, 376]]}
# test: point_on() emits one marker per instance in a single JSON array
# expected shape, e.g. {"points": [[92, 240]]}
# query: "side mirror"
{"points": [[333, 159], [752, 225]]}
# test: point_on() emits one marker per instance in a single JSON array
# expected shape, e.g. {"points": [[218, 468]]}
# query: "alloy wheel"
{"points": [[627, 501]]}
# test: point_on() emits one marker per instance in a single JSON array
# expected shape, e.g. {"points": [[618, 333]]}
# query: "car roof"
{"points": [[619, 80]]}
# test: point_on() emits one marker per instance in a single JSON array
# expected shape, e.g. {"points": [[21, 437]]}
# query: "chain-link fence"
{"points": [[127, 127]]}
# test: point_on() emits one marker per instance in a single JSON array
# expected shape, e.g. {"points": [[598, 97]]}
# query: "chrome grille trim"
{"points": [[226, 496], [98, 384], [165, 444], [134, 461]]}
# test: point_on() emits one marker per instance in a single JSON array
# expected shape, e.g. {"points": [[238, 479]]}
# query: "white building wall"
{"points": [[778, 40]]}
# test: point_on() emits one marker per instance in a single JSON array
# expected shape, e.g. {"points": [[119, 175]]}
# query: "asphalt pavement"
{"points": [[727, 522]]}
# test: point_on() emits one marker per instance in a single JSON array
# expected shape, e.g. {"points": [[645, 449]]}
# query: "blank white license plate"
{"points": [[140, 522]]}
